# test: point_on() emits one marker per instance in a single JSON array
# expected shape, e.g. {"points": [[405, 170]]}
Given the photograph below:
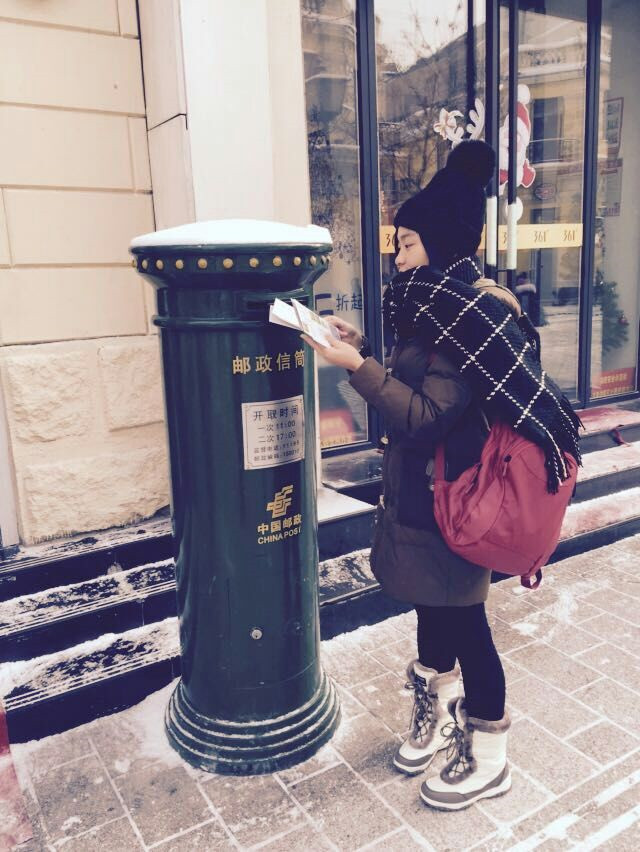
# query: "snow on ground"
{"points": [[600, 512], [61, 599], [145, 721], [360, 637], [341, 569], [112, 649], [160, 638], [611, 460], [555, 615], [159, 524]]}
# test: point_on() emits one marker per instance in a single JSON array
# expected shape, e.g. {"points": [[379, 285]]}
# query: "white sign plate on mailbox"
{"points": [[273, 432]]}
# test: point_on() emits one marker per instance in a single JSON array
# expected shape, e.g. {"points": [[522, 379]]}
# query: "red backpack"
{"points": [[499, 513]]}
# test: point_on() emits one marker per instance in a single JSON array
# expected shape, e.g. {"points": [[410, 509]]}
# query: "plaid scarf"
{"points": [[499, 356]]}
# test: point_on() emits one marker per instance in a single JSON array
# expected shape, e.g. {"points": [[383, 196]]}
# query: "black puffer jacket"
{"points": [[424, 400]]}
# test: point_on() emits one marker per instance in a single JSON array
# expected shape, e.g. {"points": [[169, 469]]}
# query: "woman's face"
{"points": [[412, 253]]}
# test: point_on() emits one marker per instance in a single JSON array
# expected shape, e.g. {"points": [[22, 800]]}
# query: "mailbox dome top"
{"points": [[236, 232]]}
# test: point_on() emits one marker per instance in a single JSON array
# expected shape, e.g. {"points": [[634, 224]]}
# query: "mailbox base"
{"points": [[252, 748]]}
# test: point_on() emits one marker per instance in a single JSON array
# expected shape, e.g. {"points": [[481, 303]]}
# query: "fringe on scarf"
{"points": [[416, 301], [565, 441]]}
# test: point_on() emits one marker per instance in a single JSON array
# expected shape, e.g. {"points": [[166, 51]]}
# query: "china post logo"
{"points": [[281, 502], [281, 525]]}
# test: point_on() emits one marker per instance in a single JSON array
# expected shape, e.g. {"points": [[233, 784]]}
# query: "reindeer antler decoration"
{"points": [[447, 124]]}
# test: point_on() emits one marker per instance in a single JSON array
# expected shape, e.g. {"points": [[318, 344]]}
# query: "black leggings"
{"points": [[449, 632]]}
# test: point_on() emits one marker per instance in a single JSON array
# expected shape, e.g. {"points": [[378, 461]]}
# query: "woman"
{"points": [[457, 347]]}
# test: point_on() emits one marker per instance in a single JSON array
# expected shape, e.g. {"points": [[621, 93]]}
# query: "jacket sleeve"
{"points": [[424, 416]]}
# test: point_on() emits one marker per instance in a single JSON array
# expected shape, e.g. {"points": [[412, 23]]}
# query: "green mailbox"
{"points": [[240, 406]]}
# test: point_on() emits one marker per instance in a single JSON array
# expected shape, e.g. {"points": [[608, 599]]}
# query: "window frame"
{"points": [[367, 113], [366, 87]]}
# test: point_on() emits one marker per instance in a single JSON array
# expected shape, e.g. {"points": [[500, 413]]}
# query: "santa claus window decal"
{"points": [[525, 173]]}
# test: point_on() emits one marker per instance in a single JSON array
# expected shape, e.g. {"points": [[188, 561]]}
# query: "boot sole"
{"points": [[500, 790], [416, 770]]}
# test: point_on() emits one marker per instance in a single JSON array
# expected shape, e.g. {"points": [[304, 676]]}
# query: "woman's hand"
{"points": [[349, 333], [338, 352]]}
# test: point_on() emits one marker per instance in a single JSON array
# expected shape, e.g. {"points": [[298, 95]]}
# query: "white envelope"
{"points": [[281, 313], [317, 328]]}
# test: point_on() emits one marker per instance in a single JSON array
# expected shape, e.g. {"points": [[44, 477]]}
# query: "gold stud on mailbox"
{"points": [[277, 261], [253, 262], [179, 264], [202, 263], [159, 264], [297, 261], [312, 260], [227, 263], [134, 262], [145, 263]]}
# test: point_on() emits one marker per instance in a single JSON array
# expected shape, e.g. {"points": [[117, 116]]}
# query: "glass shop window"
{"points": [[550, 123], [329, 47], [429, 96], [616, 284]]}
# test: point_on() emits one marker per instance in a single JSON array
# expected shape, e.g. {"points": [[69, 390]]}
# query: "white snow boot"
{"points": [[477, 765], [431, 695]]}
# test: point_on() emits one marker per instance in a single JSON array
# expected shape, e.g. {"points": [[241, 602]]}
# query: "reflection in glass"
{"points": [[425, 93], [329, 46], [616, 285], [550, 127]]}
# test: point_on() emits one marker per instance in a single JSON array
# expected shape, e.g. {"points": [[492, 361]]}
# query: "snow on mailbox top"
{"points": [[236, 232]]}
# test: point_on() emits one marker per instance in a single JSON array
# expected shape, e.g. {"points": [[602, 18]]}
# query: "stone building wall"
{"points": [[79, 369]]}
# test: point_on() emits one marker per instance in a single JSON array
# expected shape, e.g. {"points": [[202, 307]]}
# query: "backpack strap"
{"points": [[531, 333], [502, 294], [439, 462], [438, 459], [526, 580]]}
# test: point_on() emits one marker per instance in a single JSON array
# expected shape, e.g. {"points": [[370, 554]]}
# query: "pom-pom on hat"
{"points": [[448, 213]]}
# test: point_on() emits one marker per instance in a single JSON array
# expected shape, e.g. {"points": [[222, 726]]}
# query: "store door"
{"points": [[433, 90], [615, 282], [576, 259], [545, 270], [393, 85], [453, 70]]}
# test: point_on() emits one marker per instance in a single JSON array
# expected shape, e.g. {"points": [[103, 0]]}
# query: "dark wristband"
{"points": [[365, 348]]}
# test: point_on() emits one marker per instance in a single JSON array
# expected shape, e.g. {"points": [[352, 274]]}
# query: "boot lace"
{"points": [[423, 715], [458, 753]]}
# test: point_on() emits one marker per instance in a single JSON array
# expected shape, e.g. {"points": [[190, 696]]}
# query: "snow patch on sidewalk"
{"points": [[355, 638], [542, 624], [142, 724]]}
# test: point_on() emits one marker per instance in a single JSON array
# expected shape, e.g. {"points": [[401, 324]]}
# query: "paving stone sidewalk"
{"points": [[571, 653]]}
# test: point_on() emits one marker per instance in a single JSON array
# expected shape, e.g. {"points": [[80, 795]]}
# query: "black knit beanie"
{"points": [[448, 213]]}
